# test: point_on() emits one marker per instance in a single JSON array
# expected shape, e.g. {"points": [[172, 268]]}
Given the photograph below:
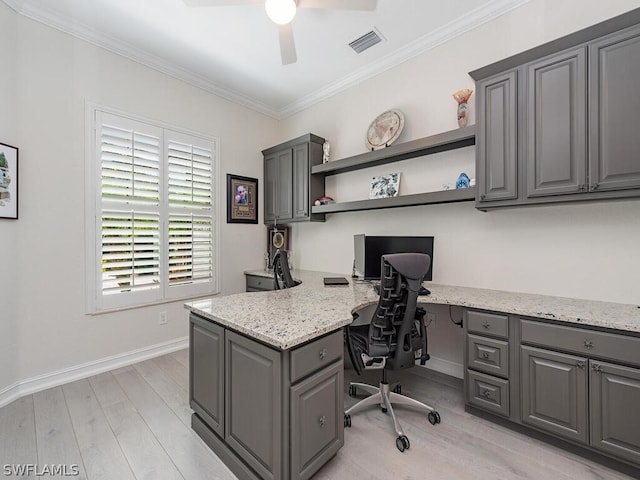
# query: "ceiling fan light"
{"points": [[280, 11]]}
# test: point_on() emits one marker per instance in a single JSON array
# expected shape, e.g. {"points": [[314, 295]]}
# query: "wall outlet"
{"points": [[164, 319], [431, 318]]}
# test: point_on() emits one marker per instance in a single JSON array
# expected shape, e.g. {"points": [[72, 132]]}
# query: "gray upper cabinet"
{"points": [[556, 98], [289, 188], [497, 141], [278, 201], [558, 123], [614, 107]]}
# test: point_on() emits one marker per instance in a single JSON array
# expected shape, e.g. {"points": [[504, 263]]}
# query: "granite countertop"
{"points": [[286, 318]]}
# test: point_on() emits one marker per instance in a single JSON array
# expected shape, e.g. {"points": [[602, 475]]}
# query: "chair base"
{"points": [[385, 399]]}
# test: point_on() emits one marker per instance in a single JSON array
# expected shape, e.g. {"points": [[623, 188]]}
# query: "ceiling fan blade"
{"points": [[287, 45], [339, 4], [219, 3]]}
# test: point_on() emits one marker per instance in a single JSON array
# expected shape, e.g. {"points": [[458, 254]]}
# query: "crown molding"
{"points": [[467, 22], [463, 24]]}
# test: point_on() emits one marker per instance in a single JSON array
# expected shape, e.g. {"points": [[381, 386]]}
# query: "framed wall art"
{"points": [[8, 181], [242, 199]]}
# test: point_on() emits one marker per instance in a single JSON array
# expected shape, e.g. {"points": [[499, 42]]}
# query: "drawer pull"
{"points": [[485, 355], [322, 420], [588, 344], [323, 354], [486, 324], [486, 393], [580, 364]]}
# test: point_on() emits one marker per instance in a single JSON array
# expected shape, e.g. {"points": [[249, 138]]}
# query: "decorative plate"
{"points": [[384, 130]]}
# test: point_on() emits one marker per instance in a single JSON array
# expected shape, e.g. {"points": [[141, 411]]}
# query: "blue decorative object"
{"points": [[463, 181]]}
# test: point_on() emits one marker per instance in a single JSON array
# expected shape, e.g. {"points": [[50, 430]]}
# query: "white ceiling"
{"points": [[233, 51]]}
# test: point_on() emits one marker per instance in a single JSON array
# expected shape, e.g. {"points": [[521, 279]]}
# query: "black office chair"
{"points": [[394, 339], [281, 274]]}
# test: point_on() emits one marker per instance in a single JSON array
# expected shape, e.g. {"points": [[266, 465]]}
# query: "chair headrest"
{"points": [[413, 266]]}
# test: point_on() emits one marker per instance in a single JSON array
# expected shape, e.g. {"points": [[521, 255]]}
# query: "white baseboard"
{"points": [[66, 375], [445, 366]]}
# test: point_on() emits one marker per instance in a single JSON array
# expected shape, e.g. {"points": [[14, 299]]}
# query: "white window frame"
{"points": [[95, 300]]}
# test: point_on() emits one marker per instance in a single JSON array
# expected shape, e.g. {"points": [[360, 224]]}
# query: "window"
{"points": [[152, 189]]}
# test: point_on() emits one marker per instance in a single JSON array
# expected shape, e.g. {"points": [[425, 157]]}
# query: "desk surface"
{"points": [[286, 318]]}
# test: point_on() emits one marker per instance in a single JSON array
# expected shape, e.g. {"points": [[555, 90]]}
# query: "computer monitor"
{"points": [[368, 250]]}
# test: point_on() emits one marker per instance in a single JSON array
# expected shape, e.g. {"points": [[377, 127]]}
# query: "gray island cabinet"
{"points": [[268, 413]]}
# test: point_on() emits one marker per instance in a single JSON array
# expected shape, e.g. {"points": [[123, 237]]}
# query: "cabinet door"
{"points": [[270, 188], [301, 181], [253, 404], [317, 430], [206, 372], [615, 417], [284, 185], [614, 69], [554, 392], [556, 105], [497, 133]]}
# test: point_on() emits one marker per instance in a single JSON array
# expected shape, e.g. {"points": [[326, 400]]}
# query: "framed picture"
{"points": [[242, 199], [277, 239], [385, 186], [8, 181]]}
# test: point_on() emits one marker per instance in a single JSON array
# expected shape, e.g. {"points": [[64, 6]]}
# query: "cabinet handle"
{"points": [[486, 393], [323, 354], [322, 420], [582, 187], [486, 324], [483, 197], [580, 364], [588, 344], [597, 367], [485, 355], [595, 186]]}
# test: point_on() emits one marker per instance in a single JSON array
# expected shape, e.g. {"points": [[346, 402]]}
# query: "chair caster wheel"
{"points": [[402, 442], [434, 417], [347, 420], [397, 389], [352, 390]]}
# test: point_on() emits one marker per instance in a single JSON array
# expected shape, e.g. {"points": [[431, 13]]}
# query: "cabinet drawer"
{"points": [[258, 283], [488, 355], [486, 323], [487, 392], [316, 355], [583, 341]]}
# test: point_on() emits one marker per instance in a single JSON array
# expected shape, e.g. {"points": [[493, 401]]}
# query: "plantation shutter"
{"points": [[191, 239], [155, 227]]}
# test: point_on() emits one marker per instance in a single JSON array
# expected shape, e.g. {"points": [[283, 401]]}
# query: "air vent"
{"points": [[366, 41]]}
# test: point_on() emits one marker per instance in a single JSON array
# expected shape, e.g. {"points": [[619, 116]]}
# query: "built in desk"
{"points": [[266, 370]]}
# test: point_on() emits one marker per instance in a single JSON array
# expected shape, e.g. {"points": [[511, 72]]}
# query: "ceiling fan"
{"points": [[282, 12]]}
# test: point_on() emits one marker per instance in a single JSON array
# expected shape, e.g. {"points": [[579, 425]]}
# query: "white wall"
{"points": [[585, 251], [9, 229], [47, 78]]}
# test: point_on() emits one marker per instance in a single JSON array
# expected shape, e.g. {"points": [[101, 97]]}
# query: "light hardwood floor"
{"points": [[134, 423]]}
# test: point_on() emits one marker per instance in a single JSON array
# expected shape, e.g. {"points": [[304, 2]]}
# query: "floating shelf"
{"points": [[442, 142], [429, 198]]}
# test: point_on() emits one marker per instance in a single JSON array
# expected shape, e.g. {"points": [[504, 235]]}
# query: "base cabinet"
{"points": [[575, 383], [568, 389], [269, 414], [554, 393], [615, 417]]}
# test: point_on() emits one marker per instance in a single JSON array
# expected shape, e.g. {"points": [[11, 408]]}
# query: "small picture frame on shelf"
{"points": [[385, 186]]}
